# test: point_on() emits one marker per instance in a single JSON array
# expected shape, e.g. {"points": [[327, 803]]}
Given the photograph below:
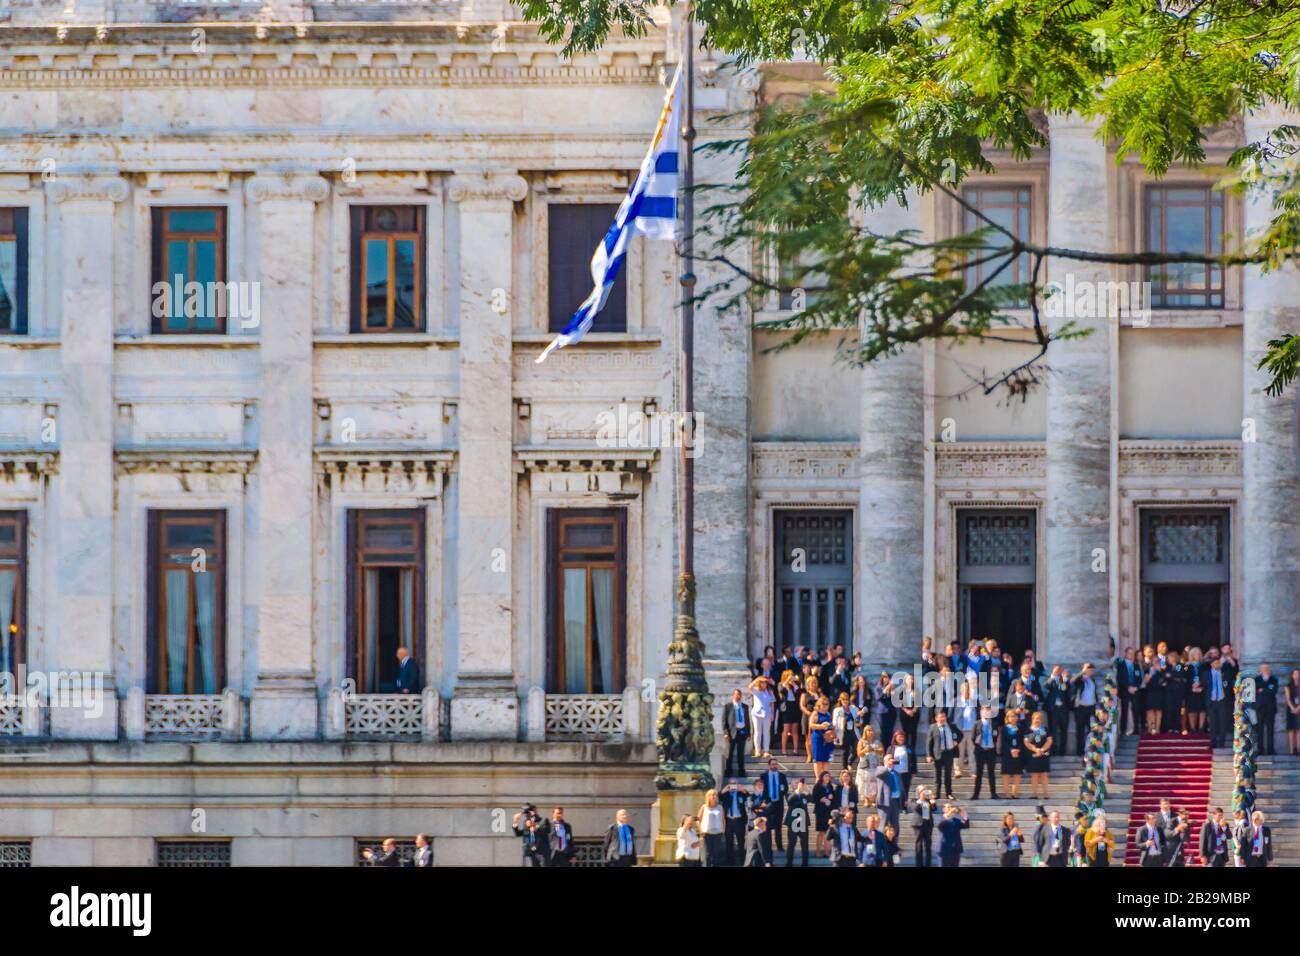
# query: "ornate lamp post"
{"points": [[684, 734]]}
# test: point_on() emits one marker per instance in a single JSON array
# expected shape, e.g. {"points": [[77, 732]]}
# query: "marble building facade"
{"points": [[269, 733]]}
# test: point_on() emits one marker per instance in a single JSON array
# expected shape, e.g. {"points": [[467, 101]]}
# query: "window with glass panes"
{"points": [[13, 271], [13, 573], [814, 578], [1010, 206], [574, 230], [189, 247], [386, 594], [586, 650], [187, 583], [388, 272], [1185, 219]]}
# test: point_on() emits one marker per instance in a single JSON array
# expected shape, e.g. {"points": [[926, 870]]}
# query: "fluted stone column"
{"points": [[891, 490], [1078, 407], [1271, 461], [284, 701], [83, 495], [485, 704]]}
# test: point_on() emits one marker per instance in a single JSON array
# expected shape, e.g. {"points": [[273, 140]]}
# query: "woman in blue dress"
{"points": [[822, 732]]}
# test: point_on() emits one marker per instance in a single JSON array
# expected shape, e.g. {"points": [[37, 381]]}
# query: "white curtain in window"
{"points": [[8, 650], [407, 638], [602, 627], [370, 647], [575, 631], [205, 627], [176, 585]]}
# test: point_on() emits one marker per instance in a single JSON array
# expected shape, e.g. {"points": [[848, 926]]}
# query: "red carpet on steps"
{"points": [[1175, 767]]}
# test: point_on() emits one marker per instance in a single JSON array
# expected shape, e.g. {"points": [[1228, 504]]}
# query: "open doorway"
{"points": [[1186, 572]]}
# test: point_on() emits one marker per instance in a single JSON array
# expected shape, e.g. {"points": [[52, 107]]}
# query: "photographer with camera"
{"points": [[527, 825], [950, 826]]}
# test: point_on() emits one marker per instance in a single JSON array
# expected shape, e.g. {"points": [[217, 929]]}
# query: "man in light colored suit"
{"points": [[1052, 842], [423, 851]]}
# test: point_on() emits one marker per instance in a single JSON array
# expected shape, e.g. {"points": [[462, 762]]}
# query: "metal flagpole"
{"points": [[684, 733]]}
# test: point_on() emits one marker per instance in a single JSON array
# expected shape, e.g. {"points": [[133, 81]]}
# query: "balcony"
{"points": [[192, 717], [595, 718], [383, 717]]}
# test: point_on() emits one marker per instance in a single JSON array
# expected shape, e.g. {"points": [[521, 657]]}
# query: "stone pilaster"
{"points": [[891, 492], [83, 497], [1077, 543], [486, 703], [284, 701], [1270, 459]]}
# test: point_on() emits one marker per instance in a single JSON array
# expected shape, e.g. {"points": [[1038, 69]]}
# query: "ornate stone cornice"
{"points": [[1187, 459], [1019, 459], [289, 186], [574, 459], [68, 188], [390, 472], [804, 461], [133, 461], [487, 187], [33, 464]]}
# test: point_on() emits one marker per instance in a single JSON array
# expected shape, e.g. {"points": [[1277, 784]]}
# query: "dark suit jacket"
{"points": [[873, 849], [1246, 850], [1043, 841], [408, 677], [774, 801], [729, 727], [1146, 833], [837, 799], [548, 830], [758, 848], [1004, 841], [611, 851], [921, 823], [950, 836], [1206, 845], [933, 742], [840, 852], [391, 858]]}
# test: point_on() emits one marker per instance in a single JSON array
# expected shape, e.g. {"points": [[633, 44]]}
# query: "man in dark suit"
{"points": [[389, 856], [1128, 680], [950, 826], [528, 827], [1218, 703], [889, 792], [1058, 701], [735, 731], [1257, 847], [559, 839], [408, 674], [1086, 694], [841, 681], [1151, 842], [923, 827], [620, 842], [798, 820], [843, 838], [1231, 671], [1052, 841], [1213, 849], [985, 734], [1266, 686], [423, 851], [758, 844], [941, 750], [735, 811], [1166, 820], [775, 788]]}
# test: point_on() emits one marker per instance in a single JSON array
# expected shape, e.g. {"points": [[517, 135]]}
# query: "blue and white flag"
{"points": [[650, 208]]}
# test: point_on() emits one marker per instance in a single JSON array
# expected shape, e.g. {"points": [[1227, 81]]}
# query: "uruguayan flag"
{"points": [[650, 208]]}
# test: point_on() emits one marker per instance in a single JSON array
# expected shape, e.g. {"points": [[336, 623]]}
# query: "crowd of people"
{"points": [[986, 715]]}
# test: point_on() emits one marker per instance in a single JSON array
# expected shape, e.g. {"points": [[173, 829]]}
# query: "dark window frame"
{"points": [[357, 521], [184, 846], [558, 558], [18, 519], [1213, 293], [15, 231], [161, 234], [829, 574], [567, 285], [1018, 272], [156, 643], [359, 234]]}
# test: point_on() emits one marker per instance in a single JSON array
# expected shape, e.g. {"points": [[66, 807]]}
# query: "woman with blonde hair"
{"points": [[713, 831], [807, 705], [1195, 671], [1038, 741], [761, 710], [787, 695], [821, 732], [869, 756], [1098, 842]]}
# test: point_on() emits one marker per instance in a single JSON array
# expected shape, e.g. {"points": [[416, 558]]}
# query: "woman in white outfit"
{"points": [[761, 710], [869, 754]]}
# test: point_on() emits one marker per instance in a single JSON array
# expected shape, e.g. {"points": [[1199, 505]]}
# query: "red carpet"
{"points": [[1175, 767]]}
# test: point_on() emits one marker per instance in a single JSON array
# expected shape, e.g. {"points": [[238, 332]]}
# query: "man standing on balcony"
{"points": [[408, 673]]}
